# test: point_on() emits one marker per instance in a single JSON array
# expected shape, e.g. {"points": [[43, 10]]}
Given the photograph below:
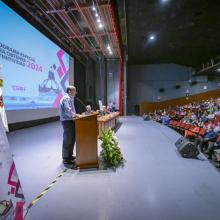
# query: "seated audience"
{"points": [[165, 119], [198, 116]]}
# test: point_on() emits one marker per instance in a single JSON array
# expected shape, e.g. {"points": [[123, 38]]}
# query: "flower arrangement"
{"points": [[110, 148]]}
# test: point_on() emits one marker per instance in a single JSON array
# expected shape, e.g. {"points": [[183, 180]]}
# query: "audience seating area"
{"points": [[198, 121]]}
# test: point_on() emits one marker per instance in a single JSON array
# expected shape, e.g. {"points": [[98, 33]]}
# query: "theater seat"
{"points": [[202, 132]]}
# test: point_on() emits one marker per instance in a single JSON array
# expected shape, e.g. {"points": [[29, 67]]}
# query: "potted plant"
{"points": [[110, 148]]}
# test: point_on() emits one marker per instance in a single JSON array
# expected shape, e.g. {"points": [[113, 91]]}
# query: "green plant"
{"points": [[110, 148]]}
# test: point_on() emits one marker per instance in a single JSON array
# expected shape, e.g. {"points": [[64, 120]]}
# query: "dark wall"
{"points": [[146, 81], [90, 83], [107, 81], [97, 81], [113, 81], [100, 81], [80, 83]]}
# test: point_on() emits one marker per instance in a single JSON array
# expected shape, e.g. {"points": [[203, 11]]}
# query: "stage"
{"points": [[156, 183]]}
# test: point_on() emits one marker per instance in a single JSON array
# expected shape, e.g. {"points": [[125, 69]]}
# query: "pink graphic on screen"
{"points": [[62, 73]]}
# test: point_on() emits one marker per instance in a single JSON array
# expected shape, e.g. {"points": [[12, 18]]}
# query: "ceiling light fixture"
{"points": [[100, 25], [96, 14], [98, 20], [152, 37], [93, 8]]}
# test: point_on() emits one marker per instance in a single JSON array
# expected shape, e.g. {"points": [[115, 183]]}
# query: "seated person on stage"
{"points": [[105, 110], [114, 109], [88, 110]]}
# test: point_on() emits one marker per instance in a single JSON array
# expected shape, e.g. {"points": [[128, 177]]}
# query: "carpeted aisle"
{"points": [[156, 183]]}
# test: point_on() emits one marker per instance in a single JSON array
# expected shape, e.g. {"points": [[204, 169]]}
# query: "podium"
{"points": [[86, 141]]}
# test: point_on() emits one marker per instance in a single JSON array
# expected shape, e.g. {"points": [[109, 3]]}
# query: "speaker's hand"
{"points": [[78, 116]]}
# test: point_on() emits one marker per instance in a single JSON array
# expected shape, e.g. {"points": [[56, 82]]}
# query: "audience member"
{"points": [[200, 115]]}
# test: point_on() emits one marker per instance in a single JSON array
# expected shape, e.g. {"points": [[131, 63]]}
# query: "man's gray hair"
{"points": [[70, 87]]}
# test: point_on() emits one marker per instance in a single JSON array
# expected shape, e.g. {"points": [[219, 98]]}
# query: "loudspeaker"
{"points": [[180, 142], [186, 148]]}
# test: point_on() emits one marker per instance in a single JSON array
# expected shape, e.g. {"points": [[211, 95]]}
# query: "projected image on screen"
{"points": [[35, 70]]}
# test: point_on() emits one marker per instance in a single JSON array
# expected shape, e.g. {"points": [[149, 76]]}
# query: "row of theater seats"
{"points": [[192, 132], [197, 121]]}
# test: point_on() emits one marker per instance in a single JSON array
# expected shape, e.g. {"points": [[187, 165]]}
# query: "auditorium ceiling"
{"points": [[84, 28], [186, 32]]}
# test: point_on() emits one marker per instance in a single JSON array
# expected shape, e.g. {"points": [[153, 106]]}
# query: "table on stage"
{"points": [[108, 121]]}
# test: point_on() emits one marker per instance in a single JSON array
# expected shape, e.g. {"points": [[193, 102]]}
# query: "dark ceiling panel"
{"points": [[187, 31]]}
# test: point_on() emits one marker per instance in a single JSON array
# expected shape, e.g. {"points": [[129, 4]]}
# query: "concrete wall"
{"points": [[145, 81]]}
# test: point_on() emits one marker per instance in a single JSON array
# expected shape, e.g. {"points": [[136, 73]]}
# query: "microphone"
{"points": [[78, 99]]}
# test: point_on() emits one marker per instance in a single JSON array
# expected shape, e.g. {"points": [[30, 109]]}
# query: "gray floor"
{"points": [[156, 183]]}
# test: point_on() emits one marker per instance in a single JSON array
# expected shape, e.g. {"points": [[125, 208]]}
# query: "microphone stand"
{"points": [[78, 99]]}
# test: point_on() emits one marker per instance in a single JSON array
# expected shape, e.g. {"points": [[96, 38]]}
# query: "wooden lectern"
{"points": [[86, 141]]}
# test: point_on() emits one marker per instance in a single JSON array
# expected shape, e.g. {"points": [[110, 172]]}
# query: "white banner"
{"points": [[12, 200], [2, 111]]}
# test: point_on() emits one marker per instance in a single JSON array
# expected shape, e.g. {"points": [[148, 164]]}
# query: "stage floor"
{"points": [[156, 183]]}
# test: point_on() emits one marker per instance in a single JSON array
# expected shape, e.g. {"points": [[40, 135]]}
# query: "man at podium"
{"points": [[67, 116]]}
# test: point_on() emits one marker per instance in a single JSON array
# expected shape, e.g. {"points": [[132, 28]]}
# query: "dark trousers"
{"points": [[68, 139], [200, 141]]}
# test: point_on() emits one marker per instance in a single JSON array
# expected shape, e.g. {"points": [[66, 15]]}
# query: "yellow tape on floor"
{"points": [[45, 190]]}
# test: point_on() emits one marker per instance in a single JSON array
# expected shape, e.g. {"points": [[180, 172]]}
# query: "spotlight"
{"points": [[152, 37], [100, 25]]}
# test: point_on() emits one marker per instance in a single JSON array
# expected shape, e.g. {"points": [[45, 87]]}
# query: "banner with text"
{"points": [[36, 71]]}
